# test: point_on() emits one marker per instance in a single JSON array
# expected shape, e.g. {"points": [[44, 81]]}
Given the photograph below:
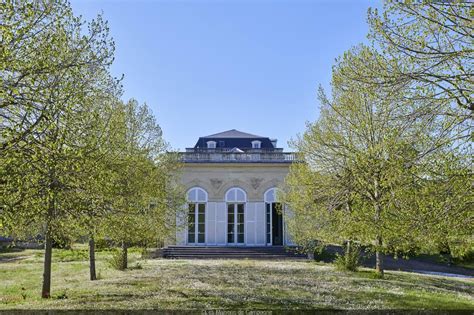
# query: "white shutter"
{"points": [[221, 223], [211, 223], [260, 223], [250, 224]]}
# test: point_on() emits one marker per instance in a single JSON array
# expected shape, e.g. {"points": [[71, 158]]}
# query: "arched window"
{"points": [[197, 194], [235, 198], [273, 218], [270, 195], [235, 195], [197, 200]]}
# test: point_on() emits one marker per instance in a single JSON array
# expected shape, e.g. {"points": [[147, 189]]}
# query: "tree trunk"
{"points": [[48, 251], [379, 257], [124, 255], [379, 243], [92, 258]]}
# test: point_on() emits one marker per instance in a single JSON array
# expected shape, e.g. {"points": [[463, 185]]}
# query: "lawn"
{"points": [[219, 284]]}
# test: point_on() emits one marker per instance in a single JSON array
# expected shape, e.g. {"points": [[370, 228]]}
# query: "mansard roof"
{"points": [[234, 139], [233, 133]]}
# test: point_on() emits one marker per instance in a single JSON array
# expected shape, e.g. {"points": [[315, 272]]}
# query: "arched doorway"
{"points": [[236, 199], [197, 200], [273, 219]]}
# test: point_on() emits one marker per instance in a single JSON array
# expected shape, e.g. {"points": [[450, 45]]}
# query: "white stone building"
{"points": [[231, 180]]}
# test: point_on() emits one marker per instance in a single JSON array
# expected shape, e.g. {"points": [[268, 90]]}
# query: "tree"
{"points": [[75, 159], [145, 194], [41, 44], [363, 155], [51, 72], [435, 40], [91, 196], [445, 203], [322, 202], [426, 48]]}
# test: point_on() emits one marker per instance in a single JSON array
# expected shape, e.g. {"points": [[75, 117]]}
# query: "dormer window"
{"points": [[211, 144], [256, 144]]}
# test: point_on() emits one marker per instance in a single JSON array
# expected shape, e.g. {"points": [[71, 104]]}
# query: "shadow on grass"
{"points": [[414, 280], [236, 285], [413, 299], [10, 254]]}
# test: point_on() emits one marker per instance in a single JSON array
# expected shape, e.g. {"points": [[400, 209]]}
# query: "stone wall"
{"points": [[217, 178]]}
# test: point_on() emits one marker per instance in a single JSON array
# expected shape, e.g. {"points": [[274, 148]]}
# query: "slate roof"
{"points": [[234, 139], [233, 133]]}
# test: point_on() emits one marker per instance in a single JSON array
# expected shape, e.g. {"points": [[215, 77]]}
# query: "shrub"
{"points": [[312, 248], [145, 253], [468, 256], [349, 261], [115, 260], [324, 254]]}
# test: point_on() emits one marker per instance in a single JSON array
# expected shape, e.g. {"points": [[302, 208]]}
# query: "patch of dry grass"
{"points": [[222, 284]]}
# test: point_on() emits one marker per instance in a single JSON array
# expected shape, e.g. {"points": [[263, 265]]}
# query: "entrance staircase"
{"points": [[221, 252]]}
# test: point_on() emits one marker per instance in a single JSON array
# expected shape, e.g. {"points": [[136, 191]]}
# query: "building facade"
{"points": [[231, 180]]}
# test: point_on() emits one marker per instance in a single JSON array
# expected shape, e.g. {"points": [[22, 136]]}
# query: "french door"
{"points": [[197, 223], [235, 223], [274, 224]]}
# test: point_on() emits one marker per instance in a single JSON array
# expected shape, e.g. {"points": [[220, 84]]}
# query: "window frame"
{"points": [[199, 206], [256, 144], [211, 144], [233, 201], [270, 200]]}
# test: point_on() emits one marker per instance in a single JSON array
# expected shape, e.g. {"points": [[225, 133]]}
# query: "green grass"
{"points": [[219, 284]]}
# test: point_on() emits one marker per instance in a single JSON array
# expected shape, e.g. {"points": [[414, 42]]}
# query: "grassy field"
{"points": [[219, 284]]}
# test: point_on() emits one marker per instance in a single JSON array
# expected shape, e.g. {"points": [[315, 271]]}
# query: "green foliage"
{"points": [[103, 244], [349, 261], [70, 255], [115, 260], [74, 159], [56, 95], [170, 284], [386, 163], [145, 253], [145, 194], [428, 47], [322, 254], [355, 170]]}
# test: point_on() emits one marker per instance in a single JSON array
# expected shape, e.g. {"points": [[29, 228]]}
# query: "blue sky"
{"points": [[209, 66]]}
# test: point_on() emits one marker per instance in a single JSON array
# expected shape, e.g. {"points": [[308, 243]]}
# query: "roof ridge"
{"points": [[233, 133]]}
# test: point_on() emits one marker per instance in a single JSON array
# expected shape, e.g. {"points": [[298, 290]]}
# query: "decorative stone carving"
{"points": [[255, 182], [216, 183]]}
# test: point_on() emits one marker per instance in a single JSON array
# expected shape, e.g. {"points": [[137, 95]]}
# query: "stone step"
{"points": [[223, 251], [217, 252], [231, 249], [229, 256], [265, 257]]}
